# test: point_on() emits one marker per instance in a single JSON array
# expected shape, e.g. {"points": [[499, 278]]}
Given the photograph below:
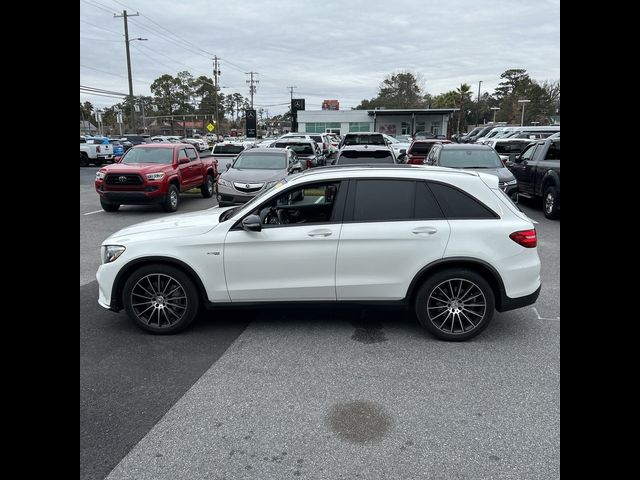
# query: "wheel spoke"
{"points": [[138, 304], [433, 318], [142, 312], [446, 296], [166, 316], [453, 295], [467, 292], [151, 285], [474, 305], [176, 305], [147, 291], [445, 320], [471, 311], [475, 296], [468, 319], [439, 306], [460, 320]]}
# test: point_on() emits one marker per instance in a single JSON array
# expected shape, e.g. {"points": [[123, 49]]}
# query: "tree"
{"points": [[400, 90], [86, 111]]}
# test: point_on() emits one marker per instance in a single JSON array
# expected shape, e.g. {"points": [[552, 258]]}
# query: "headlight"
{"points": [[155, 176], [110, 252], [511, 182], [224, 183], [99, 175]]}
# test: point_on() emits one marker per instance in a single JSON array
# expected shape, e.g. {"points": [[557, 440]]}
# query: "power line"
{"points": [[98, 5], [114, 74], [101, 28]]}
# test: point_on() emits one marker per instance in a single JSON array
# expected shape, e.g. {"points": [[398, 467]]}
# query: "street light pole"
{"points": [[494, 113], [523, 102]]}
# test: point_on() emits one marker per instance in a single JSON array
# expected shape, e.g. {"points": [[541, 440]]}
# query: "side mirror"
{"points": [[517, 158], [402, 158], [228, 165], [183, 160], [252, 223]]}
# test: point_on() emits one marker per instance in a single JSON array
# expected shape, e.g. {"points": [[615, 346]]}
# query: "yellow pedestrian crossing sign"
{"points": [[211, 127]]}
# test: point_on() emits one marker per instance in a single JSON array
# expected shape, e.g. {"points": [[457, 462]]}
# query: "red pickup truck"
{"points": [[155, 173]]}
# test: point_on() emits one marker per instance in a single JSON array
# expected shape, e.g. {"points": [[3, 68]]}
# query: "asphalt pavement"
{"points": [[300, 393]]}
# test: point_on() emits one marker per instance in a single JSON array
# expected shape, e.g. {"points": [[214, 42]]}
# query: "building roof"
{"points": [[396, 111]]}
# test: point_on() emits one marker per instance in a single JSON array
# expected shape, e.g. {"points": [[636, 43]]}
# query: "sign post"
{"points": [[296, 104]]}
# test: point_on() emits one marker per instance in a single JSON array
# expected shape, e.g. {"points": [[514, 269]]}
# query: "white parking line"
{"points": [[543, 318], [91, 213]]}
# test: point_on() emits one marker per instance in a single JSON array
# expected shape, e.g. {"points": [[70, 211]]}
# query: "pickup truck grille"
{"points": [[123, 179]]}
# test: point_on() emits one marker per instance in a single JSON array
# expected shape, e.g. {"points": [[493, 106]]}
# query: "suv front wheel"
{"points": [[455, 304], [160, 299]]}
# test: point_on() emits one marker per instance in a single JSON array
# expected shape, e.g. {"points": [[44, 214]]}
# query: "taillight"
{"points": [[526, 238]]}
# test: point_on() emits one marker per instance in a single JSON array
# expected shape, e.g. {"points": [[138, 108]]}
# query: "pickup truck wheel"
{"points": [[551, 203], [172, 199], [207, 187], [160, 299], [84, 159], [455, 304], [109, 207]]}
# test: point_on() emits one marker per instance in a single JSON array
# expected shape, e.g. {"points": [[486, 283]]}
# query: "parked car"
{"points": [[506, 146], [131, 140], [423, 136], [474, 157], [200, 144], [419, 149], [118, 148], [365, 154], [155, 174], [227, 150], [94, 151], [537, 170], [399, 147], [307, 151], [447, 243], [255, 171]]}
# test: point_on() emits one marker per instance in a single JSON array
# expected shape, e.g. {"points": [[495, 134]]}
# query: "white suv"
{"points": [[448, 243]]}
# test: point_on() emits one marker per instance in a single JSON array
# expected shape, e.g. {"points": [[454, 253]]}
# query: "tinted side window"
{"points": [[426, 207], [458, 205], [377, 200], [528, 154], [554, 151]]}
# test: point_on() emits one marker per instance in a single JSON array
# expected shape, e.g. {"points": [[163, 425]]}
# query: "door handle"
{"points": [[322, 232], [424, 230]]}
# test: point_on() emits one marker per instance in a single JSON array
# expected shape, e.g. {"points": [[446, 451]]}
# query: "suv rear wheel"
{"points": [[455, 304]]}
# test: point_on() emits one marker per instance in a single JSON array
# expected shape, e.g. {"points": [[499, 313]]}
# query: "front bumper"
{"points": [[511, 191], [230, 196], [133, 198]]}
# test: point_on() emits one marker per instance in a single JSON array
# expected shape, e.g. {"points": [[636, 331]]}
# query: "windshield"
{"points": [[456, 158], [261, 161], [148, 155], [353, 157], [299, 148], [421, 148]]}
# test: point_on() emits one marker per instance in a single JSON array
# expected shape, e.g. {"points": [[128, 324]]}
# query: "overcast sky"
{"points": [[328, 49]]}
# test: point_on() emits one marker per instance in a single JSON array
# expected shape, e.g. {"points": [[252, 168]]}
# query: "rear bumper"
{"points": [[509, 303]]}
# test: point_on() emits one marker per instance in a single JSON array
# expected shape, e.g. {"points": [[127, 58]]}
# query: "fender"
{"points": [[550, 176]]}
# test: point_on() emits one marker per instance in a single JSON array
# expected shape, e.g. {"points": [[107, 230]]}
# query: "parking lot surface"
{"points": [[315, 393]]}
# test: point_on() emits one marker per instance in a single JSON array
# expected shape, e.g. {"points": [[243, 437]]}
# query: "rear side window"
{"points": [[357, 156], [457, 204], [377, 200], [426, 207], [230, 149], [554, 151]]}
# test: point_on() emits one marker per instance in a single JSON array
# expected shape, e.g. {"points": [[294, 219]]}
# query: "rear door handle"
{"points": [[424, 230], [321, 232]]}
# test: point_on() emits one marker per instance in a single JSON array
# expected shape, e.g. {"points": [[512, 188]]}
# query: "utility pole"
{"points": [[478, 112], [291, 90], [252, 88], [126, 38], [216, 72]]}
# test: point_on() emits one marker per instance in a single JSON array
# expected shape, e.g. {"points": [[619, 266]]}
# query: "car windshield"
{"points": [[148, 155], [261, 161], [422, 148], [471, 158], [354, 156], [299, 148]]}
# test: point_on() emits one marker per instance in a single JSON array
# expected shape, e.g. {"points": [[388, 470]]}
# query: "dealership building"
{"points": [[405, 121]]}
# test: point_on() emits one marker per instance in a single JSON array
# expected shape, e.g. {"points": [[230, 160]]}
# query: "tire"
{"points": [[208, 187], [172, 199], [551, 203], [84, 159], [162, 308], [109, 207], [438, 296]]}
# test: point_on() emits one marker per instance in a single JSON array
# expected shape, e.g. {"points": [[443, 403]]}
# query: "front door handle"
{"points": [[321, 232], [424, 230]]}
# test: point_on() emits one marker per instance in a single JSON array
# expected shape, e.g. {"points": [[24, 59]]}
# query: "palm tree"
{"points": [[463, 91]]}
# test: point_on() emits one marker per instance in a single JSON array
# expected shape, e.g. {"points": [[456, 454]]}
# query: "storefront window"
{"points": [[359, 127]]}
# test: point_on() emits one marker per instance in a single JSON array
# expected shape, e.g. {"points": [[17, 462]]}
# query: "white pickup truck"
{"points": [[92, 150]]}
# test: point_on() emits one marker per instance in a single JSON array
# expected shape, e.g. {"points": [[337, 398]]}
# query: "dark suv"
{"points": [[481, 158]]}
